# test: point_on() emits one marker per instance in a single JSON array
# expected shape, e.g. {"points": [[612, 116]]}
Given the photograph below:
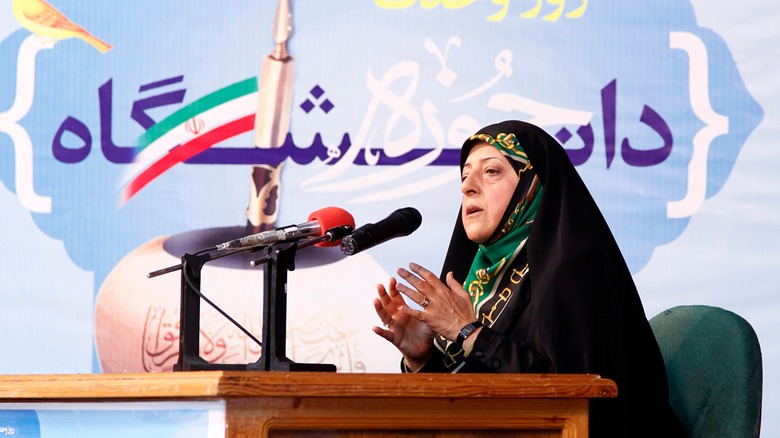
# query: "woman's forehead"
{"points": [[481, 152]]}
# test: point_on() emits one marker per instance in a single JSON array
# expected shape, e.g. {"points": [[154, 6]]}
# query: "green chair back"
{"points": [[713, 362]]}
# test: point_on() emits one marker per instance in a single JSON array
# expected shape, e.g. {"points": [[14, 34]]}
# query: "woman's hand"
{"points": [[412, 337], [445, 308]]}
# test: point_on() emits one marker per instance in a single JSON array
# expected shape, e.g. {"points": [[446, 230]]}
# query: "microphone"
{"points": [[318, 223], [401, 222], [332, 237]]}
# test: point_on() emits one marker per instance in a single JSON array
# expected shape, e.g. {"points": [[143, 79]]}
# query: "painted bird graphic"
{"points": [[46, 21]]}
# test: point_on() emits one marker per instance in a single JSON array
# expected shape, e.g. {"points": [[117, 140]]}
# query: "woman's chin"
{"points": [[476, 232]]}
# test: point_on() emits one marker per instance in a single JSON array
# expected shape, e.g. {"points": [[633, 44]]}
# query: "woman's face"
{"points": [[487, 182]]}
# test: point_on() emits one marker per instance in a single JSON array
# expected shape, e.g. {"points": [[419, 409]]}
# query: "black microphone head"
{"points": [[401, 222], [413, 218]]}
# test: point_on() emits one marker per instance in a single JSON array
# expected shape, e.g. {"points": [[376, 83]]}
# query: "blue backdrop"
{"points": [[669, 110]]}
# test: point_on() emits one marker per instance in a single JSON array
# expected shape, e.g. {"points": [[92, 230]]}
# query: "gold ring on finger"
{"points": [[425, 301]]}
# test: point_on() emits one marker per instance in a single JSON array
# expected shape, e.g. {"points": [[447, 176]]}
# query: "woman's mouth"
{"points": [[472, 210]]}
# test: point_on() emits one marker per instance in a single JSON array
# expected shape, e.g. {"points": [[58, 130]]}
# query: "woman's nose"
{"points": [[469, 184]]}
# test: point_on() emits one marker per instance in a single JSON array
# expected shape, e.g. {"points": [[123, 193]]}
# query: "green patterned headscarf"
{"points": [[494, 256]]}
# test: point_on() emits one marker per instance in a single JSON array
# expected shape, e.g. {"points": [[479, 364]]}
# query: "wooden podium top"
{"points": [[227, 384], [316, 404]]}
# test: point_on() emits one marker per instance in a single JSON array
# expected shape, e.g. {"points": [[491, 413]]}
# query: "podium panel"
{"points": [[281, 405]]}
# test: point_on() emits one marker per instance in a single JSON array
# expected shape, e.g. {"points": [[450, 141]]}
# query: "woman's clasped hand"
{"points": [[443, 309]]}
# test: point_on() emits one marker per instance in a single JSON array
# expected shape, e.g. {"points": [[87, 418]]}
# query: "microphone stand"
{"points": [[280, 258], [189, 318]]}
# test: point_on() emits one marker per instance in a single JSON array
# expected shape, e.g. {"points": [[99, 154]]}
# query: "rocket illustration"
{"points": [[272, 121]]}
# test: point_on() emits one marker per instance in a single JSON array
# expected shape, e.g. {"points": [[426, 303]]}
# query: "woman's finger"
{"points": [[387, 334], [426, 275], [432, 287], [410, 278], [394, 294], [414, 295], [384, 298], [384, 316], [381, 311], [416, 314], [456, 287]]}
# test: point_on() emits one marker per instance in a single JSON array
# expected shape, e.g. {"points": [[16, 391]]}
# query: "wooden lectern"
{"points": [[280, 404]]}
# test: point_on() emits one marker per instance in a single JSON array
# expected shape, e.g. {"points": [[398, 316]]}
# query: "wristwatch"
{"points": [[466, 331]]}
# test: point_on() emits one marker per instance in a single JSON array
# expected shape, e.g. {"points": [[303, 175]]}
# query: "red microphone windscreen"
{"points": [[331, 217]]}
